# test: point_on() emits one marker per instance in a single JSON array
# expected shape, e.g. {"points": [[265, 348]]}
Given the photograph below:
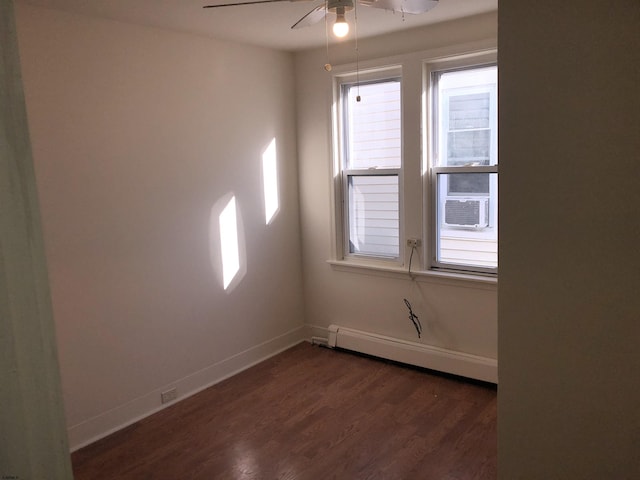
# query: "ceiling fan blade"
{"points": [[314, 16], [253, 2], [402, 6]]}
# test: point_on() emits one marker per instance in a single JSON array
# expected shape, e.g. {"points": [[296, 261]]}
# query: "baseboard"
{"points": [[412, 353], [109, 422], [313, 331]]}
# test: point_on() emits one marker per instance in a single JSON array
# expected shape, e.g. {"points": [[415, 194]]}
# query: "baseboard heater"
{"points": [[412, 353]]}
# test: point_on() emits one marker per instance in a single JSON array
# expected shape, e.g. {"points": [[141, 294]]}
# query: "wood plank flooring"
{"points": [[311, 413]]}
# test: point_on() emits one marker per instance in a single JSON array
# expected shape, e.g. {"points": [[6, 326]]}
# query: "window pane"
{"points": [[469, 111], [467, 230], [466, 116], [468, 184], [470, 147], [374, 215], [373, 125]]}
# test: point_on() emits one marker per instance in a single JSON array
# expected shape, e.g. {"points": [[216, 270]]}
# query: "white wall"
{"points": [[569, 307], [137, 133], [457, 315]]}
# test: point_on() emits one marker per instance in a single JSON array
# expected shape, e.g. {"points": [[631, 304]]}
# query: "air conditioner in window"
{"points": [[466, 212]]}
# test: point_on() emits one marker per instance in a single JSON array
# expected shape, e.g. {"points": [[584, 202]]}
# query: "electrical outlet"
{"points": [[414, 242], [169, 395]]}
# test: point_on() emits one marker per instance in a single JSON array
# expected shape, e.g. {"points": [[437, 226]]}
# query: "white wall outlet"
{"points": [[169, 395], [414, 242]]}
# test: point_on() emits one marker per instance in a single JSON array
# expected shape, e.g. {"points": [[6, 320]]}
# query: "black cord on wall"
{"points": [[413, 249], [414, 318]]}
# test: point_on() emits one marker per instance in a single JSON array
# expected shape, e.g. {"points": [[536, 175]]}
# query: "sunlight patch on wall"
{"points": [[226, 239], [229, 242], [270, 179]]}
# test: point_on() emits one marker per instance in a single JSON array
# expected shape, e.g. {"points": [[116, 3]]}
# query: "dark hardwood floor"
{"points": [[311, 413]]}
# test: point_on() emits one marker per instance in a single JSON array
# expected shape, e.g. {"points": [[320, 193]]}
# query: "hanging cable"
{"points": [[327, 66], [357, 51], [414, 318]]}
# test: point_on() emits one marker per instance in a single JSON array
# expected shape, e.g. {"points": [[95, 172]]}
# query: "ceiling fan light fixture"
{"points": [[340, 27]]}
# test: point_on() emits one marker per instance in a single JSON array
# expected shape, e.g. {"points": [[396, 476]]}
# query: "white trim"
{"points": [[111, 421], [439, 277], [412, 353], [459, 51], [317, 331]]}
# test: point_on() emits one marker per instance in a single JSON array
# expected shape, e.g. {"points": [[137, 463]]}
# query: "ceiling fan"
{"points": [[339, 7]]}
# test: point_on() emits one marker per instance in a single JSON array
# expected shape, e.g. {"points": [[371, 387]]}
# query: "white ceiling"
{"points": [[266, 25]]}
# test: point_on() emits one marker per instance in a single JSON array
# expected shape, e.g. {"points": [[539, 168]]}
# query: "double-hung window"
{"points": [[371, 149], [464, 168], [444, 170]]}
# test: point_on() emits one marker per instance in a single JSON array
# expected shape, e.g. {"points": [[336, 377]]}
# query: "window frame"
{"points": [[415, 179], [367, 77], [433, 170]]}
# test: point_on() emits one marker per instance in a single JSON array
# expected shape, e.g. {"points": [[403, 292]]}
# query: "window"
{"points": [[464, 183], [418, 195], [370, 116]]}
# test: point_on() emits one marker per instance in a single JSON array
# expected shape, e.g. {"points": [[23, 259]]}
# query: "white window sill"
{"points": [[373, 268]]}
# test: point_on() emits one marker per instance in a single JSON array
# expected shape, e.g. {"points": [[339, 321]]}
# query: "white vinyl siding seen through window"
{"points": [[371, 159]]}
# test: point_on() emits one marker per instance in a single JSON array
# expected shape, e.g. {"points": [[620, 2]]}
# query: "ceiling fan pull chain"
{"points": [[357, 51], [327, 66]]}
